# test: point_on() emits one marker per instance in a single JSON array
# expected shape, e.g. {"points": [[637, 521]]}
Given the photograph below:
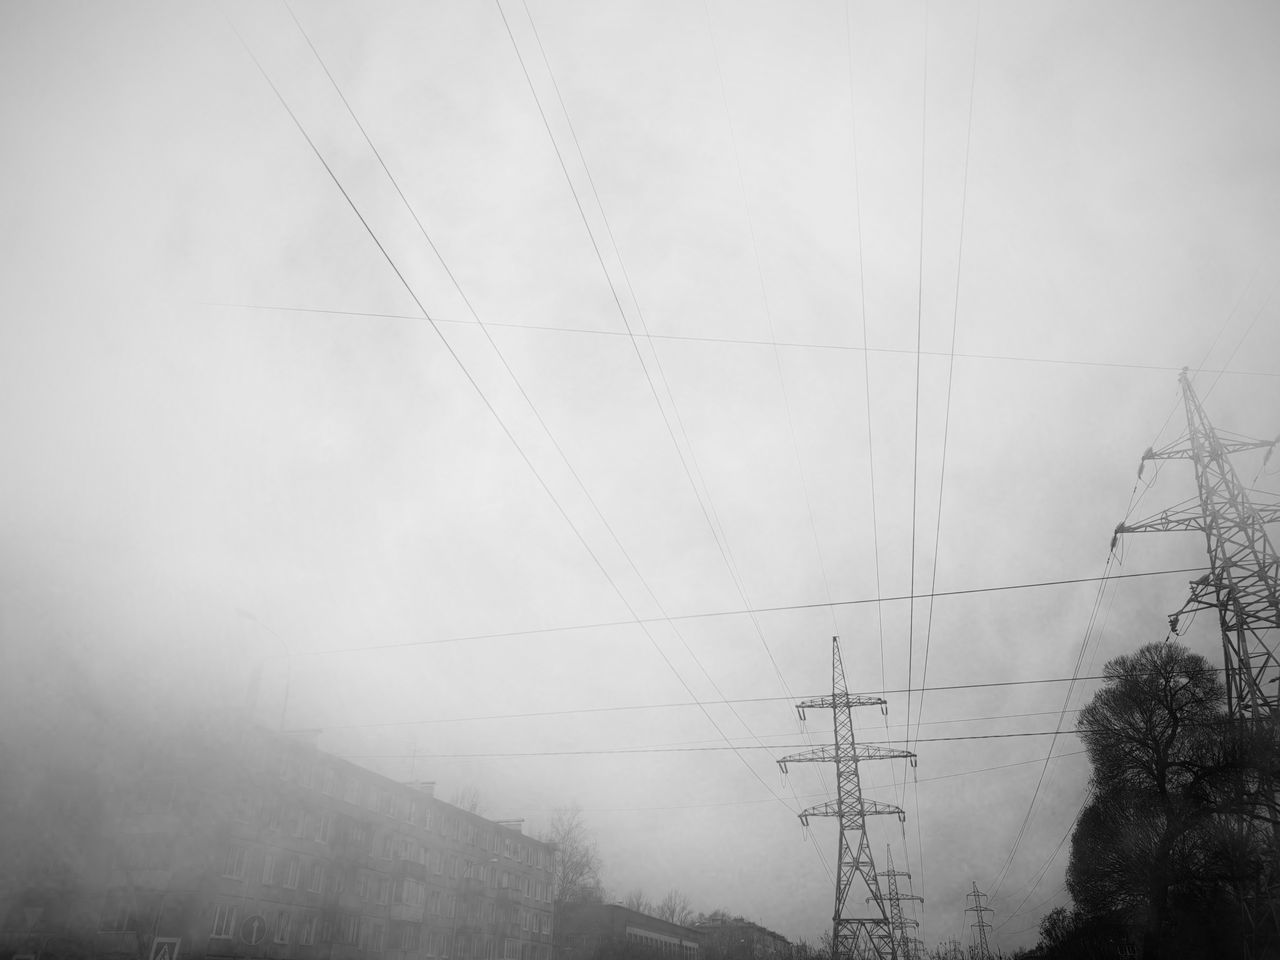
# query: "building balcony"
{"points": [[406, 911], [410, 868]]}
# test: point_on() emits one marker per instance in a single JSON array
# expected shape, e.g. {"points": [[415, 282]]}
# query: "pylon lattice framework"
{"points": [[980, 950], [851, 937], [1243, 582], [898, 924]]}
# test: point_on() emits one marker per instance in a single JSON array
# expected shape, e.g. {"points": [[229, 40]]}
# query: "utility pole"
{"points": [[979, 950], [897, 922], [1243, 582], [851, 937]]}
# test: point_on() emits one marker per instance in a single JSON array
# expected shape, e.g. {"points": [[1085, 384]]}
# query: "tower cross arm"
{"points": [[1178, 518], [1183, 451], [829, 754], [831, 808], [839, 700], [1190, 518]]}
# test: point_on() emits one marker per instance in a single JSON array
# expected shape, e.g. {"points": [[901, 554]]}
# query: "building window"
{"points": [[283, 921], [324, 828], [291, 873], [511, 949], [348, 929], [234, 859], [224, 921], [410, 937], [362, 886], [384, 889], [315, 879], [269, 868], [307, 931], [242, 811]]}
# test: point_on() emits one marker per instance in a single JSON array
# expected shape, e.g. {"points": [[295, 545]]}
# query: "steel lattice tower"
{"points": [[980, 950], [851, 937], [1244, 569], [897, 922]]}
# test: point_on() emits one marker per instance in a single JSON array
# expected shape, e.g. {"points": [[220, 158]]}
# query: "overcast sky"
{"points": [[641, 405]]}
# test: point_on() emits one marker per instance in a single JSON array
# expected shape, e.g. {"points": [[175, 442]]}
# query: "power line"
{"points": [[915, 430], [639, 356], [746, 341], [570, 712], [707, 507], [1084, 645], [1040, 874], [641, 621], [813, 796], [623, 751], [951, 358], [470, 378]]}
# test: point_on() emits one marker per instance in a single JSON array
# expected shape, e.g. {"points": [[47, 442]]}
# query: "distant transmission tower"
{"points": [[852, 938], [980, 950], [1244, 570], [897, 922]]}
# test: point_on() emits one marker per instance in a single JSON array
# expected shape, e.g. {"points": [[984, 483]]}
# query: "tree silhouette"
{"points": [[1180, 807]]}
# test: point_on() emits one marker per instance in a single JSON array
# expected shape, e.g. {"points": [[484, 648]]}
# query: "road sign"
{"points": [[253, 930], [165, 948]]}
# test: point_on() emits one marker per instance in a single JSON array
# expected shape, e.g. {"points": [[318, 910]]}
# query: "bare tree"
{"points": [[636, 900], [675, 908], [576, 876], [468, 799]]}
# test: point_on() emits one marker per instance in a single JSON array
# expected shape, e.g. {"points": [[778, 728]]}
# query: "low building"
{"points": [[733, 938], [610, 931], [263, 846]]}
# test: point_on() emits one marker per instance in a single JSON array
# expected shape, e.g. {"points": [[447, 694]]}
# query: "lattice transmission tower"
{"points": [[979, 949], [904, 942], [1243, 583], [852, 937]]}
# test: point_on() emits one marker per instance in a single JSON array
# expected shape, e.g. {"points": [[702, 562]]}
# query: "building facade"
{"points": [[263, 847], [596, 931], [733, 938]]}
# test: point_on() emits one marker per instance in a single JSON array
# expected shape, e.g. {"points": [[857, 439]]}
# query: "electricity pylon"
{"points": [[1244, 569], [979, 949], [897, 922], [851, 937]]}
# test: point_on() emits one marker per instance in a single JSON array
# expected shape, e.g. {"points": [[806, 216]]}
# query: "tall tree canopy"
{"points": [[1178, 824]]}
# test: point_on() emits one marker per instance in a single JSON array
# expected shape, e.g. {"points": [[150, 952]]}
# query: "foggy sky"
{"points": [[211, 467]]}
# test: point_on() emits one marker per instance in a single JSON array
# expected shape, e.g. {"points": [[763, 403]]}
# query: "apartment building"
{"points": [[262, 846]]}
